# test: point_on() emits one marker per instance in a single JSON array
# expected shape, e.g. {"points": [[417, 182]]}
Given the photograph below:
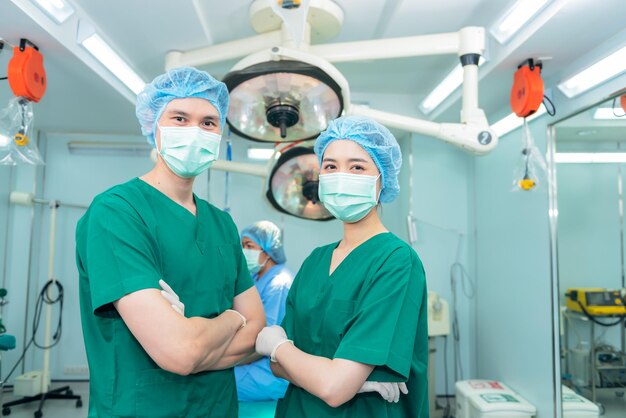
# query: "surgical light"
{"points": [[282, 101], [293, 184], [513, 20], [110, 59], [590, 157], [595, 74], [59, 10], [608, 113], [512, 122], [444, 89]]}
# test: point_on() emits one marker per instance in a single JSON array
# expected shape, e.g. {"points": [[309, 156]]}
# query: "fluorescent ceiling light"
{"points": [[590, 157], [449, 84], [598, 73], [512, 122], [260, 153], [608, 114], [109, 58], [59, 10], [513, 20], [109, 148]]}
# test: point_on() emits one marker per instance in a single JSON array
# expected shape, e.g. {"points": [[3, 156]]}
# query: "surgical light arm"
{"points": [[472, 133]]}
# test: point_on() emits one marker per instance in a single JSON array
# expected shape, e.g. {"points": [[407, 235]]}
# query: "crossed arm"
{"points": [[335, 381], [190, 345]]}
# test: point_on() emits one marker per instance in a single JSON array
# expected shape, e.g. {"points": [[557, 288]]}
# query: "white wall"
{"points": [[71, 178], [514, 333], [441, 192]]}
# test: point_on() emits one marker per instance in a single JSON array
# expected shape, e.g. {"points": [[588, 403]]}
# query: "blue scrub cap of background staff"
{"points": [[267, 236], [178, 83], [376, 140]]}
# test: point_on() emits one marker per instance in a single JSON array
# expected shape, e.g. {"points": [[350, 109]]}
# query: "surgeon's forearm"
{"points": [[334, 381], [250, 359], [177, 344], [228, 361], [279, 371], [241, 348], [215, 349]]}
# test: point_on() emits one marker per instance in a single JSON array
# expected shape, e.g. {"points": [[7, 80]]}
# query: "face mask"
{"points": [[188, 151], [252, 260], [348, 197]]}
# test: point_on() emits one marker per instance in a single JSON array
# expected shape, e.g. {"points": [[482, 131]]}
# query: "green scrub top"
{"points": [[371, 310], [131, 236]]}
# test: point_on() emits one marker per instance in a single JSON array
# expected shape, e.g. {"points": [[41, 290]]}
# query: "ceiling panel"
{"points": [[425, 17], [143, 31], [76, 99], [227, 20], [360, 19]]}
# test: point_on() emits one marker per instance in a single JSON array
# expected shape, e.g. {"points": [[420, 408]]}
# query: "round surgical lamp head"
{"points": [[293, 184], [281, 101]]}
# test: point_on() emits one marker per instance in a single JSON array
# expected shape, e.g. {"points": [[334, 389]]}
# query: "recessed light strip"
{"points": [[590, 157], [595, 74], [512, 122], [444, 89], [58, 10], [608, 113], [110, 59], [513, 20]]}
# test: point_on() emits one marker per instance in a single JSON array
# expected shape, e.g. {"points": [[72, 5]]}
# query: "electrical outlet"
{"points": [[76, 370]]}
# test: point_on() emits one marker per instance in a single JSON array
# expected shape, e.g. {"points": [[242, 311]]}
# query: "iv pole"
{"points": [[27, 199]]}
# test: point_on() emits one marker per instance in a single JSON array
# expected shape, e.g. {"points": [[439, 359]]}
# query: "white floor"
{"points": [[615, 407], [54, 408]]}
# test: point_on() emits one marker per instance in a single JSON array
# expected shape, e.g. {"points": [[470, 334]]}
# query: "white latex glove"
{"points": [[390, 391], [172, 297], [269, 339], [244, 321]]}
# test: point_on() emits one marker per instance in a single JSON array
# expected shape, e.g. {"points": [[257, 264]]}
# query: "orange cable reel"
{"points": [[527, 94], [527, 91], [27, 75], [27, 79]]}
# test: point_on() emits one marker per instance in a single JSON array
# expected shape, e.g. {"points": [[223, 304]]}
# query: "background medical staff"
{"points": [[357, 309], [264, 251], [145, 359]]}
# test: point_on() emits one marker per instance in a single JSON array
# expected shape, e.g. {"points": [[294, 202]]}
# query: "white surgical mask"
{"points": [[252, 260], [348, 197], [188, 151]]}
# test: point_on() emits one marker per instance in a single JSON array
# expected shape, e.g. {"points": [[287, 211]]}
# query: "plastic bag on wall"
{"points": [[16, 130], [6, 148], [530, 172]]}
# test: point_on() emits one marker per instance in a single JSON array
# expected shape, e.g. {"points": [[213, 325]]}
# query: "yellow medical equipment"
{"points": [[595, 301]]}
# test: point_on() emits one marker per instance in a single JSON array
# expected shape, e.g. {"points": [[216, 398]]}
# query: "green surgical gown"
{"points": [[131, 236], [372, 310]]}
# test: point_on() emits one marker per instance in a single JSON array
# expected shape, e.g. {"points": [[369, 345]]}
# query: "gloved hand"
{"points": [[244, 321], [269, 339], [390, 391], [172, 297]]}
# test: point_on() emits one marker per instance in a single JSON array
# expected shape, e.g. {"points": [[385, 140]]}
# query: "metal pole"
{"points": [[51, 253], [592, 363]]}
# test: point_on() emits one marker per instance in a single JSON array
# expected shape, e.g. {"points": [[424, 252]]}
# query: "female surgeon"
{"points": [[356, 312]]}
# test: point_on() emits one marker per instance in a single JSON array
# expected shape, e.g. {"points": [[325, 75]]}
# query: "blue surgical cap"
{"points": [[178, 83], [376, 140], [267, 236]]}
